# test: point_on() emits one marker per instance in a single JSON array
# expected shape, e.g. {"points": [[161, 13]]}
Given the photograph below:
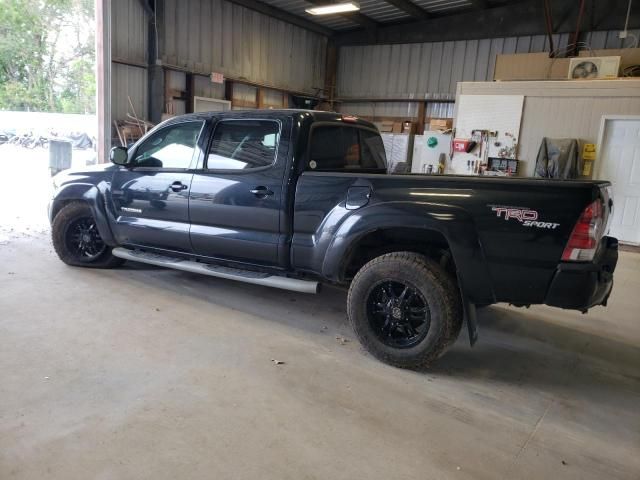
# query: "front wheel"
{"points": [[77, 241], [405, 309]]}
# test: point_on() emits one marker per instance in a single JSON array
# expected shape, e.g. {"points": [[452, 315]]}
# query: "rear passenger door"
{"points": [[339, 149], [236, 198]]}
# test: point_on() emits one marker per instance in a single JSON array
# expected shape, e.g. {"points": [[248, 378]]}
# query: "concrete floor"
{"points": [[148, 373]]}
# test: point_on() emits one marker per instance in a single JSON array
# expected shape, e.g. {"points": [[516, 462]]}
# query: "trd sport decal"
{"points": [[528, 218]]}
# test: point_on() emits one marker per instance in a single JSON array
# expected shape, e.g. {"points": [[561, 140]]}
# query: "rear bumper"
{"points": [[580, 286]]}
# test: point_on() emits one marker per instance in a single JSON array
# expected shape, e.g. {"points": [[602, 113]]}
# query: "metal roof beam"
{"points": [[284, 16], [361, 20], [411, 8], [513, 19]]}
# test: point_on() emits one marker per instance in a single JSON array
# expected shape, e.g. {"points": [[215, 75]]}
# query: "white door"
{"points": [[620, 164]]}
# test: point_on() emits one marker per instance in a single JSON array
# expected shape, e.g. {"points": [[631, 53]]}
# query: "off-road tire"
{"points": [[59, 231], [437, 287]]}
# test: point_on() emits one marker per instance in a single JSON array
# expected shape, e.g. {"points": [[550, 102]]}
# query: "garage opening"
{"points": [[48, 117]]}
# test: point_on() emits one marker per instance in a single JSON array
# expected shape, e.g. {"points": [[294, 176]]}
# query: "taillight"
{"points": [[586, 234]]}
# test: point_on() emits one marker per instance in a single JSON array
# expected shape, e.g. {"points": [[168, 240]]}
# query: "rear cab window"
{"points": [[338, 148]]}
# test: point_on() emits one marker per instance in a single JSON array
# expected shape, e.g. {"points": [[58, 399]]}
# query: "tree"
{"points": [[47, 55]]}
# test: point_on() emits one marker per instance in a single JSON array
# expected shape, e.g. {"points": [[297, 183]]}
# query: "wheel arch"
{"points": [[421, 228], [380, 241], [94, 197]]}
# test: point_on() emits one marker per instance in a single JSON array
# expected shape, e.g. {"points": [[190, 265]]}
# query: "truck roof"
{"points": [[317, 115]]}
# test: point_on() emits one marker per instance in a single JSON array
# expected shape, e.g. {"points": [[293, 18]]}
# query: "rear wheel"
{"points": [[405, 309], [77, 241]]}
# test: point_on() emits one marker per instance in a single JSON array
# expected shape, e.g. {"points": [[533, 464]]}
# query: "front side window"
{"points": [[171, 147], [243, 144], [338, 148]]}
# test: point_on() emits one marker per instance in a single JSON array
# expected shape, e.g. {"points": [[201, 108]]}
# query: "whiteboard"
{"points": [[500, 113], [396, 148]]}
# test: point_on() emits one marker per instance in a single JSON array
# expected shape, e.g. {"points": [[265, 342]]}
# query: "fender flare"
{"points": [[454, 223], [95, 196]]}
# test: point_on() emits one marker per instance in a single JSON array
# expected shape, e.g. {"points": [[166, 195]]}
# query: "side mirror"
{"points": [[119, 156]]}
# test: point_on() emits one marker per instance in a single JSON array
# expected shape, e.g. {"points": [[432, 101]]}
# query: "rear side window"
{"points": [[243, 144], [338, 148], [372, 150]]}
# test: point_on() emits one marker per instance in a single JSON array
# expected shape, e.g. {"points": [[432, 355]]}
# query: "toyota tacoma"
{"points": [[294, 199]]}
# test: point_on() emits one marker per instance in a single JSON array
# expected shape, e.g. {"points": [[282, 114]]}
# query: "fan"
{"points": [[585, 69]]}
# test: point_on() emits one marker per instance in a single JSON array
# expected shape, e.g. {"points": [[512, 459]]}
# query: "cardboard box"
{"points": [[628, 56], [530, 66], [441, 124], [408, 127], [538, 66], [384, 127]]}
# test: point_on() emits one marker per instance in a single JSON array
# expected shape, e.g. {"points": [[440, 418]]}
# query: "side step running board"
{"points": [[247, 276]]}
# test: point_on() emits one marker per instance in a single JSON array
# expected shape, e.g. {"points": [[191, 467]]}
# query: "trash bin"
{"points": [[59, 156]]}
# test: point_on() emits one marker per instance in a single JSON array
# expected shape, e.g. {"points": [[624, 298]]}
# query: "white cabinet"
{"points": [[429, 150]]}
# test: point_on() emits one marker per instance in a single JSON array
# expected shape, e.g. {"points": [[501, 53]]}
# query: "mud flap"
{"points": [[471, 320]]}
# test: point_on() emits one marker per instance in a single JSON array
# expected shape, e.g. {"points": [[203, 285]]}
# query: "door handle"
{"points": [[178, 186], [261, 191]]}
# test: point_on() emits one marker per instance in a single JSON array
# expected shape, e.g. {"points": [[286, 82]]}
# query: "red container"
{"points": [[460, 144]]}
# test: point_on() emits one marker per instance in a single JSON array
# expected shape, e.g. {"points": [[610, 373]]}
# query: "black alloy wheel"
{"points": [[76, 238], [405, 309], [398, 313], [83, 239]]}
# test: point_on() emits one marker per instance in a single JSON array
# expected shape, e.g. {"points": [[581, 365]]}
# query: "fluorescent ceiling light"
{"points": [[334, 8]]}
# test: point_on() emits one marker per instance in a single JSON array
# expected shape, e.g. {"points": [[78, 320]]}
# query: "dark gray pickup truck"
{"points": [[293, 198]]}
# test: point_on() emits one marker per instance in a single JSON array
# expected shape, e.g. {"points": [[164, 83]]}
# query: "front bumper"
{"points": [[580, 286]]}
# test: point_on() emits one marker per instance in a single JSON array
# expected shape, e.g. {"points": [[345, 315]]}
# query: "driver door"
{"points": [[150, 195]]}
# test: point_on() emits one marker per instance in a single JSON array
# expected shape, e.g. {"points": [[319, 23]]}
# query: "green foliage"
{"points": [[47, 57]]}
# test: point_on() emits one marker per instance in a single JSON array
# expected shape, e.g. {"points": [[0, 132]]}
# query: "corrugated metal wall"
{"points": [[128, 44], [128, 31], [273, 99], [178, 81], [381, 109], [562, 109], [128, 82], [397, 109], [203, 87], [432, 70], [245, 96], [214, 35]]}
